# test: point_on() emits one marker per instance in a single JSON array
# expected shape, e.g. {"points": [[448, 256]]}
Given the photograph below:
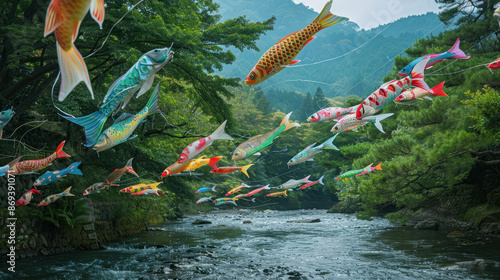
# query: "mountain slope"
{"points": [[358, 58]]}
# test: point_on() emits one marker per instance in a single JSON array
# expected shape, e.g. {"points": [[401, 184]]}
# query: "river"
{"points": [[338, 247]]}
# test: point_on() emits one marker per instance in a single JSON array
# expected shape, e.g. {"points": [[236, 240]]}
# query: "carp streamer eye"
{"points": [[157, 51], [252, 76]]}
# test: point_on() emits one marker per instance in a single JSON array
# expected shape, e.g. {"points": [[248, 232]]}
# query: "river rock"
{"points": [[32, 243], [201, 222], [247, 222], [306, 221], [477, 263], [43, 241], [455, 234], [427, 224], [156, 229], [167, 270], [493, 228]]}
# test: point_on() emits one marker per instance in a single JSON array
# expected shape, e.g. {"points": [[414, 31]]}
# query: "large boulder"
{"points": [[427, 224]]}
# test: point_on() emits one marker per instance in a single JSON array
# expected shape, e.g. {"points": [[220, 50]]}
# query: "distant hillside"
{"points": [[356, 73]]}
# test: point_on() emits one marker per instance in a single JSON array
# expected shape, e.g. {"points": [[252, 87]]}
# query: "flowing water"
{"points": [[338, 247]]}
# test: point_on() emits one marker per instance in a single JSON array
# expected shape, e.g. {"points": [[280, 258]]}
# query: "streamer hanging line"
{"points": [[475, 45], [458, 72], [91, 54], [299, 80], [345, 54], [271, 152], [370, 74], [112, 27]]}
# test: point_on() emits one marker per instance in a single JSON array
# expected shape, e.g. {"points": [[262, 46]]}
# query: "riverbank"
{"points": [[35, 238]]}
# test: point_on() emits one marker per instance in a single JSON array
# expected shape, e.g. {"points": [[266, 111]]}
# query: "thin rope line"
{"points": [[24, 125], [52, 96], [347, 91], [351, 51], [109, 33], [491, 34], [457, 72], [299, 80]]}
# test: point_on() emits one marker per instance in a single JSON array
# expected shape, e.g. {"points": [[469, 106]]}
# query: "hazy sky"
{"points": [[371, 13]]}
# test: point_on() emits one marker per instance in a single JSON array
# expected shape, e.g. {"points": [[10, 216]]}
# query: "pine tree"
{"points": [[307, 107], [262, 103], [319, 100]]}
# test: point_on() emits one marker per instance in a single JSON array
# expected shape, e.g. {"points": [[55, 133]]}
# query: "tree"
{"points": [[28, 61], [262, 103], [319, 101], [307, 107], [466, 10]]}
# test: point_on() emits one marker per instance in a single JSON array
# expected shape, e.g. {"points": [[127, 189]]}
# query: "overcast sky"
{"points": [[372, 13]]}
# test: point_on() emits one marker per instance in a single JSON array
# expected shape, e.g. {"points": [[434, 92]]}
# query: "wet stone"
{"points": [[92, 236], [43, 241], [89, 227], [202, 271], [455, 234], [427, 224], [32, 243], [247, 222], [156, 229], [167, 270], [201, 222], [307, 221]]}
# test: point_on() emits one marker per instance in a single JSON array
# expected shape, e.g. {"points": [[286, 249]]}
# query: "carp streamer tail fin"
{"points": [[286, 121], [379, 118], [245, 168], [74, 168], [458, 53], [219, 133], [93, 125], [67, 192], [438, 90], [326, 18], [152, 105], [73, 71], [213, 162], [321, 180], [59, 151], [129, 167], [329, 143]]}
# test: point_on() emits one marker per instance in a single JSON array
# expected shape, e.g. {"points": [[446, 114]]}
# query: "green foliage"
{"points": [[436, 148], [477, 214], [402, 216], [307, 107], [486, 111], [192, 97]]}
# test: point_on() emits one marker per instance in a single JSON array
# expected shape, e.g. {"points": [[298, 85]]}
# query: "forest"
{"points": [[442, 154]]}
